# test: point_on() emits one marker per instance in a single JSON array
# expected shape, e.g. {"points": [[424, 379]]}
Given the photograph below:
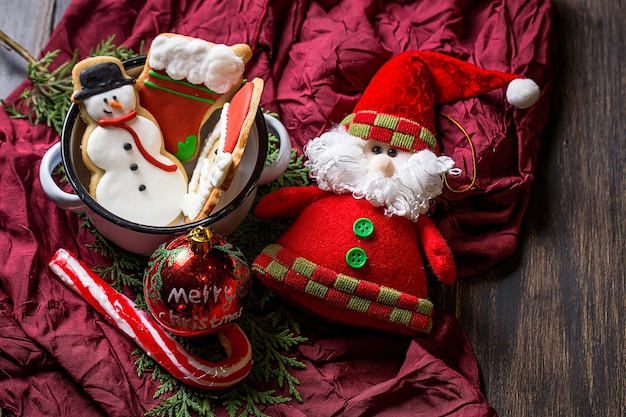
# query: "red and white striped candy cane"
{"points": [[120, 311]]}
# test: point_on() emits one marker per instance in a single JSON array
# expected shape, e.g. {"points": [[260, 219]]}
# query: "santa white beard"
{"points": [[340, 164]]}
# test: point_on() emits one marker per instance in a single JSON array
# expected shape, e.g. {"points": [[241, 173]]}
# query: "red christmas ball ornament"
{"points": [[196, 283]]}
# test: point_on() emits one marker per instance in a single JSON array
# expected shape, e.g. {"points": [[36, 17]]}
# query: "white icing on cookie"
{"points": [[132, 187], [210, 171], [216, 66], [220, 168]]}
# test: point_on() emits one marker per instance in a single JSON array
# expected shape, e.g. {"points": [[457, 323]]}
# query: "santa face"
{"points": [[402, 182], [384, 158], [112, 103]]}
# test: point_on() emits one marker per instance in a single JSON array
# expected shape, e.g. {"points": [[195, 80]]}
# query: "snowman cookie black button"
{"points": [[128, 146]]}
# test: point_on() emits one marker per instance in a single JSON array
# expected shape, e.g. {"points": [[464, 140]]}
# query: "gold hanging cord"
{"points": [[473, 181]]}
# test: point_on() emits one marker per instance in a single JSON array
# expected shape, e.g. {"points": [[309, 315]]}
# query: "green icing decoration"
{"points": [[178, 93], [154, 74], [187, 149]]}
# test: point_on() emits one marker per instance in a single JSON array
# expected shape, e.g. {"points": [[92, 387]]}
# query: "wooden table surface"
{"points": [[547, 326]]}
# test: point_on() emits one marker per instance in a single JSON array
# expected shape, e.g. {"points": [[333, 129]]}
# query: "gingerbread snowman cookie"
{"points": [[132, 175]]}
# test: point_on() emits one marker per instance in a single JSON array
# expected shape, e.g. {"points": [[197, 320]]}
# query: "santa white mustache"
{"points": [[402, 182]]}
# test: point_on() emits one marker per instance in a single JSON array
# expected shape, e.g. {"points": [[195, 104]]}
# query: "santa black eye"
{"points": [[392, 152], [376, 150]]}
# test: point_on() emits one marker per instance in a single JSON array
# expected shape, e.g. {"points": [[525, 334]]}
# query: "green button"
{"points": [[356, 258], [363, 227]]}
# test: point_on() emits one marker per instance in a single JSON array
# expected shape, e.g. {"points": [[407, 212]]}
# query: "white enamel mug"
{"points": [[232, 208]]}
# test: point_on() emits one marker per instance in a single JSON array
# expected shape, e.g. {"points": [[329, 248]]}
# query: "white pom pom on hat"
{"points": [[522, 93]]}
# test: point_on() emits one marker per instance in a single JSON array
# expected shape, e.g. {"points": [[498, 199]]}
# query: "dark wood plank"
{"points": [[547, 326], [29, 23]]}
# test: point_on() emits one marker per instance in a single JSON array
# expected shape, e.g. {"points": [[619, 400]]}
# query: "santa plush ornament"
{"points": [[361, 244]]}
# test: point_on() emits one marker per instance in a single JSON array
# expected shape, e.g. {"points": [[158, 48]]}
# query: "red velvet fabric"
{"points": [[59, 358]]}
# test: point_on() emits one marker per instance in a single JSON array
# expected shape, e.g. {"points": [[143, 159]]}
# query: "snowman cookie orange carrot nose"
{"points": [[113, 103]]}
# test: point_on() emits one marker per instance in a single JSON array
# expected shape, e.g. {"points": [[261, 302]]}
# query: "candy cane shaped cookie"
{"points": [[121, 312]]}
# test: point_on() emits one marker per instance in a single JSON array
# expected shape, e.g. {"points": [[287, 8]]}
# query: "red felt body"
{"points": [[59, 358], [325, 233]]}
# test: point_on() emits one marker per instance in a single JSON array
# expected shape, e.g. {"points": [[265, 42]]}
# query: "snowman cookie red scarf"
{"points": [[122, 122]]}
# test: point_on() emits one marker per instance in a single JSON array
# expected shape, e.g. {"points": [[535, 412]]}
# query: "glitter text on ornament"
{"points": [[197, 323], [202, 297], [207, 295]]}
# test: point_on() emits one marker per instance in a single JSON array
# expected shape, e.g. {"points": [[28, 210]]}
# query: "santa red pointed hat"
{"points": [[398, 106]]}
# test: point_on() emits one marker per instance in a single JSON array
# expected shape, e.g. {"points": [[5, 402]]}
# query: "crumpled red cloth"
{"points": [[58, 357], [393, 376]]}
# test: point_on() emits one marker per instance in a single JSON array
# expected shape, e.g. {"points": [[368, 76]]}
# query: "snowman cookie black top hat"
{"points": [[99, 78]]}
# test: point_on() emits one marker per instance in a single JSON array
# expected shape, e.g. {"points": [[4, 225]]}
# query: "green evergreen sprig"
{"points": [[243, 400], [48, 99], [126, 269]]}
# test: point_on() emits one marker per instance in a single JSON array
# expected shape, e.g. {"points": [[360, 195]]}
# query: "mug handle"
{"points": [[276, 168], [64, 200]]}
